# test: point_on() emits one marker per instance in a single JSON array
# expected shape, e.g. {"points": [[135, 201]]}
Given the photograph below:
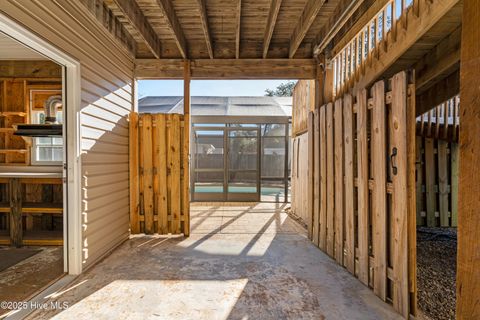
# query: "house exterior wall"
{"points": [[106, 99]]}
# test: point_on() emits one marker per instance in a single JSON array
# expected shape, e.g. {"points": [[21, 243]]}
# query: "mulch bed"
{"points": [[436, 272]]}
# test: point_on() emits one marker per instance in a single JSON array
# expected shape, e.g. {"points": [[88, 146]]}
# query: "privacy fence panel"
{"points": [[364, 183], [159, 197]]}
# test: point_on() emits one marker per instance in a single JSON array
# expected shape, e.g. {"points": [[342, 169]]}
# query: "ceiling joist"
{"points": [[312, 8], [174, 25], [134, 15], [272, 20], [206, 31], [237, 29]]}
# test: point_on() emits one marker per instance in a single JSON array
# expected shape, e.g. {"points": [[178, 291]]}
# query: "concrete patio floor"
{"points": [[240, 262]]}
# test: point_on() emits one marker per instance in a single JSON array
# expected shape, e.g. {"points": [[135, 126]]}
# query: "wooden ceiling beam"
{"points": [[227, 69], [30, 69], [174, 25], [107, 19], [134, 15], [272, 20], [310, 12], [237, 29], [206, 30]]}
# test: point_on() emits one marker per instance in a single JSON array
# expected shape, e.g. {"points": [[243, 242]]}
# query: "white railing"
{"points": [[358, 50], [436, 122]]}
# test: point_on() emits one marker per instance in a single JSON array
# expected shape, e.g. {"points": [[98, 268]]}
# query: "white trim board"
{"points": [[72, 135]]}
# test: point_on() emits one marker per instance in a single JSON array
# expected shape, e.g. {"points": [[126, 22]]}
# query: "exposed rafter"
{"points": [[237, 29], [172, 21], [272, 20], [312, 8], [134, 15], [106, 18], [206, 31]]}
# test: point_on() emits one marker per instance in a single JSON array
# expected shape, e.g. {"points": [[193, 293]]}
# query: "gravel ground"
{"points": [[436, 271]]}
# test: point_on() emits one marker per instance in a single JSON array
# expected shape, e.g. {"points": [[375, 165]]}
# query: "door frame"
{"points": [[71, 79]]}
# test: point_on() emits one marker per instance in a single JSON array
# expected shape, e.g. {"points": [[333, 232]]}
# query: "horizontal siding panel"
{"points": [[106, 81]]}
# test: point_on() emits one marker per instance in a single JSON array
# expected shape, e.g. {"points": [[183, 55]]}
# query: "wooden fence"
{"points": [[363, 187], [303, 103], [159, 174], [436, 182]]}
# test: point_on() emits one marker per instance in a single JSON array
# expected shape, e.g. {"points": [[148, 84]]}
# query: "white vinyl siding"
{"points": [[107, 89]]}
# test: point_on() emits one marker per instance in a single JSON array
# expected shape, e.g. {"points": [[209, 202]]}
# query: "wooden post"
{"points": [[186, 148], [311, 173], [330, 180], [339, 179], [316, 178], [16, 232], [468, 254]]}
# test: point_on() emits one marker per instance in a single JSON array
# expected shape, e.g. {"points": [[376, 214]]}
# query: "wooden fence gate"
{"points": [[159, 174], [363, 196]]}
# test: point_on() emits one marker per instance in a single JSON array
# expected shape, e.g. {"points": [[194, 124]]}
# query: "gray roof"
{"points": [[221, 106]]}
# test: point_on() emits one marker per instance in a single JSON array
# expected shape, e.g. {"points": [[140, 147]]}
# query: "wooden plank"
{"points": [[339, 212], [173, 24], [468, 254], [419, 179], [323, 179], [227, 69], [132, 12], [238, 26], [161, 164], [147, 173], [362, 187], [185, 144], [379, 193], [316, 178], [133, 173], [412, 210], [330, 181], [454, 182], [349, 176], [205, 28], [443, 183], [16, 229], [272, 20], [400, 194], [174, 172], [310, 12], [311, 173], [26, 69], [430, 193]]}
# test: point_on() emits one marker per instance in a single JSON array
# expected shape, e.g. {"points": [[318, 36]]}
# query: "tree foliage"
{"points": [[284, 89]]}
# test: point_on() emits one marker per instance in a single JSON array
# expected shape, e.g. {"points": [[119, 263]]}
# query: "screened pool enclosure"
{"points": [[239, 146]]}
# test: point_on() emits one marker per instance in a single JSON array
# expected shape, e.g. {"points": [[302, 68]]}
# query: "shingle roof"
{"points": [[221, 106]]}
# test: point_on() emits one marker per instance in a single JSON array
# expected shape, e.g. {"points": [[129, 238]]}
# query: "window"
{"points": [[46, 150]]}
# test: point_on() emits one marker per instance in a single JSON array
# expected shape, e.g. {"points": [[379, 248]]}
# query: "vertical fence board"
{"points": [[147, 173], [174, 166], [316, 177], [311, 171], [430, 181], [162, 204], [323, 179], [339, 180], [443, 183], [330, 182], [379, 201], [133, 174], [454, 183], [362, 188], [349, 191], [419, 179], [399, 167]]}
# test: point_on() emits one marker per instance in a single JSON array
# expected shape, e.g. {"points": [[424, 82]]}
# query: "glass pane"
{"points": [[242, 182], [273, 190], [243, 153], [49, 153], [209, 149], [209, 124], [273, 129], [243, 125], [208, 182], [273, 159]]}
